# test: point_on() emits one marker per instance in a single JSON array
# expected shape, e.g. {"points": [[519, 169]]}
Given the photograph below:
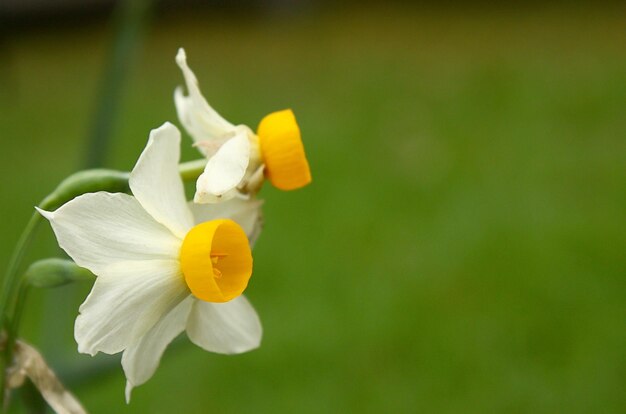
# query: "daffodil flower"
{"points": [[163, 265], [239, 158]]}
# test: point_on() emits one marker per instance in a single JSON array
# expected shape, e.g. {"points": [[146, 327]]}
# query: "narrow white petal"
{"points": [[99, 229], [141, 359], [226, 328], [227, 167], [200, 120], [156, 183], [48, 215], [126, 302], [245, 212]]}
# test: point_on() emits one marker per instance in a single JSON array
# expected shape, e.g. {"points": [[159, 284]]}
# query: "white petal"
{"points": [[126, 302], [141, 359], [225, 169], [226, 328], [98, 229], [156, 183], [245, 212], [200, 120]]}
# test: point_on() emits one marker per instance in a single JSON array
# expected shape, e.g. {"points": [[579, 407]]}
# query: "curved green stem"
{"points": [[11, 281], [12, 326], [10, 277]]}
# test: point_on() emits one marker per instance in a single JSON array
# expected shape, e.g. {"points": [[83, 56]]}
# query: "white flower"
{"points": [[163, 265], [238, 158]]}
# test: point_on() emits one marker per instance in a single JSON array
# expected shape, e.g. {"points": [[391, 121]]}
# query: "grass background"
{"points": [[461, 248]]}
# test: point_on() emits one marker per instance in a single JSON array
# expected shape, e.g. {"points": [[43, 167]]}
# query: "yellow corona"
{"points": [[286, 165], [216, 260]]}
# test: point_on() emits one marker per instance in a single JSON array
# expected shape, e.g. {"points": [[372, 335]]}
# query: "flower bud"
{"points": [[87, 181], [53, 272]]}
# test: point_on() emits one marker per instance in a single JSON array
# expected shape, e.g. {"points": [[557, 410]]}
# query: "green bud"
{"points": [[91, 181], [53, 272], [88, 181]]}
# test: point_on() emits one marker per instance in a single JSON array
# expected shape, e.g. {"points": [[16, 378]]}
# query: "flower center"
{"points": [[216, 260], [283, 153]]}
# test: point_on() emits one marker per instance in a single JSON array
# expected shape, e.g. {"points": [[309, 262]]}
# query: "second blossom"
{"points": [[239, 159]]}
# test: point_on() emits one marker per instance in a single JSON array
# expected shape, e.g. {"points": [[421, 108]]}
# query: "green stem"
{"points": [[13, 327], [14, 323], [131, 19], [11, 281], [191, 170]]}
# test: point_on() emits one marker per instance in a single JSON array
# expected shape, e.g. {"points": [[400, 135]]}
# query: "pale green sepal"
{"points": [[53, 272]]}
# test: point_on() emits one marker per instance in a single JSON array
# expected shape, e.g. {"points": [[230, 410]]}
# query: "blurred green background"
{"points": [[461, 248]]}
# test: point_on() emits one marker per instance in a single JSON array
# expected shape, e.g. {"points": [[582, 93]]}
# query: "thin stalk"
{"points": [[12, 331], [130, 21], [10, 278], [14, 323], [191, 170], [11, 281]]}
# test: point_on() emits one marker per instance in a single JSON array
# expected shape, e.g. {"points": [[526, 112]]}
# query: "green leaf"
{"points": [[53, 272]]}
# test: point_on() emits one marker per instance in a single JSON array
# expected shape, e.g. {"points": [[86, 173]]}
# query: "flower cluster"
{"points": [[165, 265]]}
